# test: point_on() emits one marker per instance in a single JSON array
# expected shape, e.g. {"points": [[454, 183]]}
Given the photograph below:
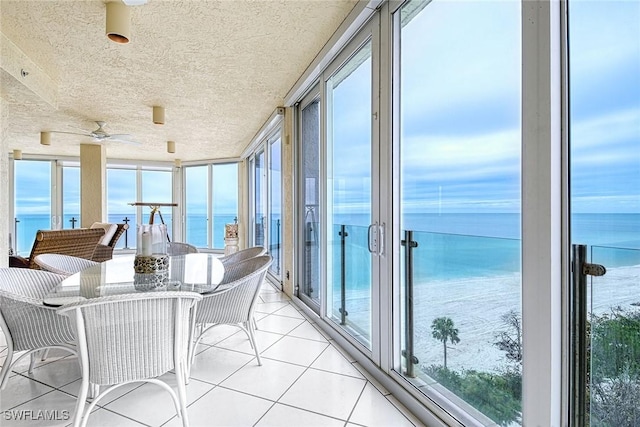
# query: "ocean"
{"points": [[28, 225], [467, 267]]}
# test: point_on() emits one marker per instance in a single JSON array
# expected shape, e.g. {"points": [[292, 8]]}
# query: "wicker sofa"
{"points": [[79, 242]]}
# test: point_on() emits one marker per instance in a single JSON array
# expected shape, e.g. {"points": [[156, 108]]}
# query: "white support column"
{"points": [[542, 212]]}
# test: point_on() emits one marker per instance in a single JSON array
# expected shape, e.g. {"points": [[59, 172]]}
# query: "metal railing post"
{"points": [[410, 359], [126, 232], [15, 234], [578, 378], [278, 246], [343, 309]]}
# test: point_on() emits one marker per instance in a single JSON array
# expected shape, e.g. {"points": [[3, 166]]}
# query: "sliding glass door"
{"points": [[351, 233], [459, 203], [309, 266], [604, 87]]}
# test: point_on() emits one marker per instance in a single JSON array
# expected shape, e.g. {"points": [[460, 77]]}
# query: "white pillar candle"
{"points": [[145, 243]]}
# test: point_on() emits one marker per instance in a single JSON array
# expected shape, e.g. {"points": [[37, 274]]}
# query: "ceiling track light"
{"points": [[17, 154], [118, 24], [45, 138], [158, 115], [171, 147]]}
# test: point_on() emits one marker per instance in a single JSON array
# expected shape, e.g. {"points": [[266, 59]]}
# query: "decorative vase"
{"points": [[230, 238]]}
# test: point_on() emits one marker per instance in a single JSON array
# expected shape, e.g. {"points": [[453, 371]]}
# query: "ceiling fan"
{"points": [[101, 135]]}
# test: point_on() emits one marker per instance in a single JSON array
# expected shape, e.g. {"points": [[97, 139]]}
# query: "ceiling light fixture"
{"points": [[158, 115], [17, 154], [45, 138], [118, 22], [171, 147]]}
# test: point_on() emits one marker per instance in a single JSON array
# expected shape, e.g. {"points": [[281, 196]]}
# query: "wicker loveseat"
{"points": [[79, 242]]}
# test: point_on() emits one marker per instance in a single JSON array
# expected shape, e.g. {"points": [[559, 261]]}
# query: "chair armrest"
{"points": [[18, 261], [102, 253]]}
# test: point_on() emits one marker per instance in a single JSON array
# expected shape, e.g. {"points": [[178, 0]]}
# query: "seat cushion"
{"points": [[109, 231]]}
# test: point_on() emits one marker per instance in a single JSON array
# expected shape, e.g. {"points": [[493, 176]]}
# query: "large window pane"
{"points": [[259, 205], [460, 196], [275, 205], [121, 190], [70, 197], [32, 202], [604, 143], [224, 199], [196, 179], [157, 187]]}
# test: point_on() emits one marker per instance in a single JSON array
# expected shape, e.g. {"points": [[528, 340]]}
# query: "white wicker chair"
{"points": [[179, 248], [28, 325], [241, 255], [63, 264], [130, 338], [236, 303]]}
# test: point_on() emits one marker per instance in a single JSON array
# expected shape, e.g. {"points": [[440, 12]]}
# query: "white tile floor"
{"points": [[305, 380]]}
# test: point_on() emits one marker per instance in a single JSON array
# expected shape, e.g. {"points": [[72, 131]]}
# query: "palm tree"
{"points": [[442, 329]]}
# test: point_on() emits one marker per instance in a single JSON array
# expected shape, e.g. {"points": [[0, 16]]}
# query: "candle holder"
{"points": [[151, 263], [152, 239]]}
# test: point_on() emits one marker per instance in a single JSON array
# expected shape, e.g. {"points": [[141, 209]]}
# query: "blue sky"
{"points": [[461, 111], [461, 116], [605, 108]]}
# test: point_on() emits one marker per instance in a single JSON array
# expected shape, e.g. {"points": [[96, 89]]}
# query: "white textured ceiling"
{"points": [[219, 68]]}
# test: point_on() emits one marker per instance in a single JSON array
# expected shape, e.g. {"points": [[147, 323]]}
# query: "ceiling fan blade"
{"points": [[70, 133], [126, 139], [120, 136]]}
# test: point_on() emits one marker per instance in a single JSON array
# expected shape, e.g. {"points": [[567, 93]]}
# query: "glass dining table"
{"points": [[195, 272]]}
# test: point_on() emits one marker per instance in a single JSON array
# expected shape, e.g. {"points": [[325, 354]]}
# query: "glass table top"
{"points": [[197, 272]]}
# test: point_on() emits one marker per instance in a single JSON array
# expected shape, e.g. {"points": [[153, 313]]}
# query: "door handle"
{"points": [[375, 238], [372, 238]]}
